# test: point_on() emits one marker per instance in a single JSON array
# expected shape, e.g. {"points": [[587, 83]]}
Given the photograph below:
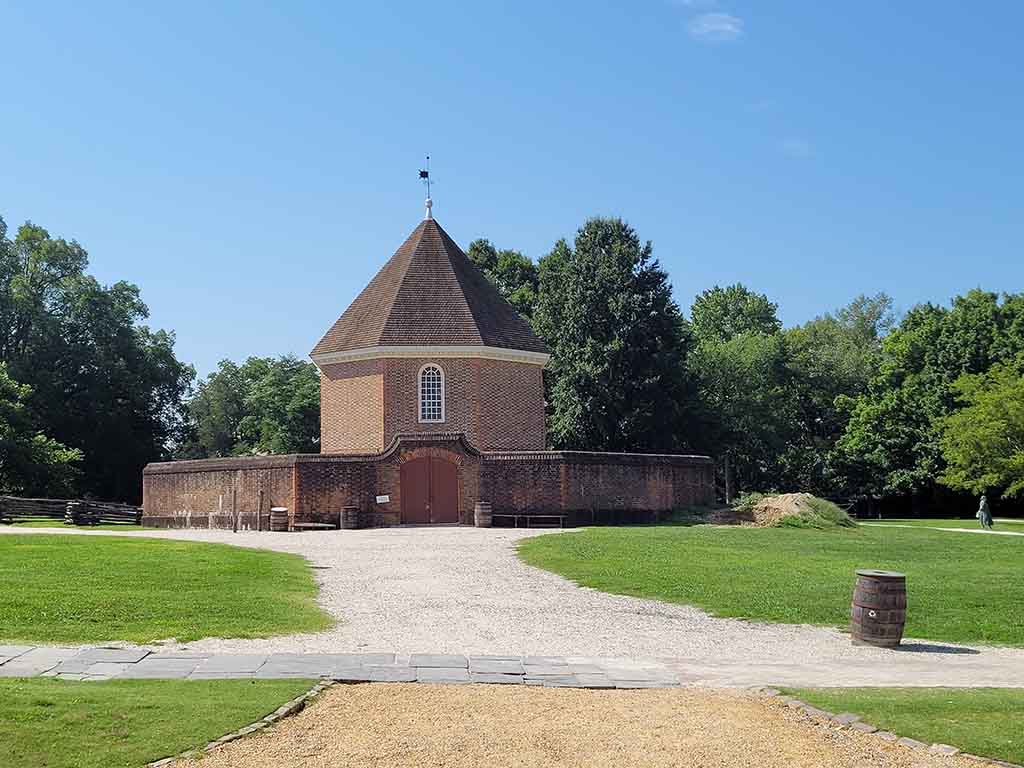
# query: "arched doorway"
{"points": [[430, 491]]}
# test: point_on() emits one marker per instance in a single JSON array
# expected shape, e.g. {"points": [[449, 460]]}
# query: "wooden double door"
{"points": [[430, 491]]}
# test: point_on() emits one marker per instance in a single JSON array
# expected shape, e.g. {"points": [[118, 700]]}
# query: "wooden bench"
{"points": [[527, 517], [315, 527]]}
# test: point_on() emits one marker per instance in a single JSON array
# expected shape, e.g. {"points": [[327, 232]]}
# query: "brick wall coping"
{"points": [[289, 460], [600, 457]]}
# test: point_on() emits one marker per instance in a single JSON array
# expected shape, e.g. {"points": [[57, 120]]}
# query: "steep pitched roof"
{"points": [[429, 293]]}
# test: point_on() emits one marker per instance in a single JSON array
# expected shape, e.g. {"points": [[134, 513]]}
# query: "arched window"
{"points": [[431, 394]]}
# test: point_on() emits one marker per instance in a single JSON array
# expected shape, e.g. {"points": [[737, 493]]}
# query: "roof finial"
{"points": [[425, 176]]}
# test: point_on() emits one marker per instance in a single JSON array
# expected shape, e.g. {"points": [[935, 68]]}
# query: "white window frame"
{"points": [[419, 399]]}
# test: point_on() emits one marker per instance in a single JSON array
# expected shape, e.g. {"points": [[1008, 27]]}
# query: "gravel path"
{"points": [[378, 726], [463, 590]]}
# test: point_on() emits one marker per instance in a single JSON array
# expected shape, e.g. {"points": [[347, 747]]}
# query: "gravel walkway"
{"points": [[375, 726], [463, 590]]}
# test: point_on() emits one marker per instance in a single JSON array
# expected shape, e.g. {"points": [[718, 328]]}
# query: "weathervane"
{"points": [[425, 178]]}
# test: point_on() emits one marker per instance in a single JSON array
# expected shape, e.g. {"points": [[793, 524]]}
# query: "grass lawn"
{"points": [[982, 721], [78, 589], [971, 524], [103, 527], [126, 723], [960, 588]]}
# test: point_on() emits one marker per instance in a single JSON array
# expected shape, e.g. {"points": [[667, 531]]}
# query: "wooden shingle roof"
{"points": [[429, 294]]}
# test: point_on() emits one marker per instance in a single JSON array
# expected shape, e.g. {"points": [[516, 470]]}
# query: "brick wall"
{"points": [[596, 487], [588, 487], [498, 404], [211, 492], [352, 407]]}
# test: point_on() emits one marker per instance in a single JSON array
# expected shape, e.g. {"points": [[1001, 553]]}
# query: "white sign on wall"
{"points": [[383, 499]]}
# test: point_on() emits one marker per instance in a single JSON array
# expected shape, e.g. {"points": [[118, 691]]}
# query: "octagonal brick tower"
{"points": [[430, 346]]}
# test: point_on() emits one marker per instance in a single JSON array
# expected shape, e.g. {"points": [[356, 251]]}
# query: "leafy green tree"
{"points": [[983, 442], [891, 444], [215, 414], [100, 381], [282, 406], [747, 405], [31, 463], [718, 313], [513, 274], [618, 341], [831, 360], [267, 405], [775, 403]]}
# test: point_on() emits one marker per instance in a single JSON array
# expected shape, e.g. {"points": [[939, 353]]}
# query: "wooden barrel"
{"points": [[349, 518], [482, 514], [879, 608], [279, 518]]}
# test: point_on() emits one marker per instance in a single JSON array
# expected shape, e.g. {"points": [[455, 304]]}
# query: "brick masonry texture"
{"points": [[586, 487], [352, 407], [499, 405]]}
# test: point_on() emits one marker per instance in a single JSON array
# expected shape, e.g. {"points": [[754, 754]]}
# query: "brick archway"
{"points": [[429, 490]]}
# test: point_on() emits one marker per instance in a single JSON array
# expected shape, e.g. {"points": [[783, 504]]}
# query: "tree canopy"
{"points": [[983, 442], [99, 381], [266, 405], [618, 342], [31, 463]]}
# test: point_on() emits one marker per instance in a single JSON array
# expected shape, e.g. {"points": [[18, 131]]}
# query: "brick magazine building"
{"points": [[432, 398]]}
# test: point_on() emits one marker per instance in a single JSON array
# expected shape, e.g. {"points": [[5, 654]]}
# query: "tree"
{"points": [[513, 274], [747, 405], [30, 462], [618, 341], [831, 360], [983, 442], [891, 444], [774, 403], [718, 313], [282, 406], [215, 414], [100, 381], [267, 405]]}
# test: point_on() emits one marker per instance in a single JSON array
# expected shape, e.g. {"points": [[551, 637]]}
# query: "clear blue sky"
{"points": [[251, 167]]}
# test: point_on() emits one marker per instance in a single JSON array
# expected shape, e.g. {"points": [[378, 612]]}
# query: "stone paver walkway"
{"points": [[138, 663]]}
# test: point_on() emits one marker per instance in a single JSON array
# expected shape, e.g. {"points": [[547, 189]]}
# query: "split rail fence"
{"points": [[68, 511]]}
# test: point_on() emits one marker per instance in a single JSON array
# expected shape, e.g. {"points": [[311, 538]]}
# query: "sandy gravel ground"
{"points": [[399, 726], [463, 590]]}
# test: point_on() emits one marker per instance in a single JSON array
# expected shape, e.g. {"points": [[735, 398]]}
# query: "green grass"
{"points": [[78, 589], [969, 524], [102, 527], [960, 588], [982, 721], [126, 723]]}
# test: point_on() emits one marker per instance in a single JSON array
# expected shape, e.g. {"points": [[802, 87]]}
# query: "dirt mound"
{"points": [[800, 510], [771, 509]]}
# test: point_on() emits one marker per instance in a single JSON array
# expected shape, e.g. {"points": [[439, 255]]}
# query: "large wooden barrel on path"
{"points": [[482, 514], [879, 608], [349, 518], [279, 518]]}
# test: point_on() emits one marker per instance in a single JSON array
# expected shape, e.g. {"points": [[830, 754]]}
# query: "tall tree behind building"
{"points": [[618, 343], [266, 405]]}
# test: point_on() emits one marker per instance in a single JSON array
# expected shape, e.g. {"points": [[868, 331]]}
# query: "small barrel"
{"points": [[482, 514], [279, 518], [349, 518], [879, 608]]}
